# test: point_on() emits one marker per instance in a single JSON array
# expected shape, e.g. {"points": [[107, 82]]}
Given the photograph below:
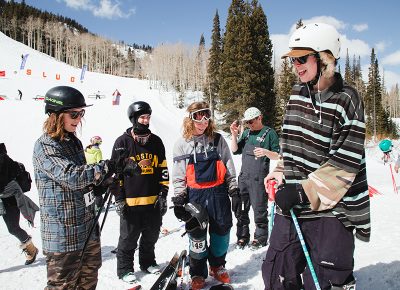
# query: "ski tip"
{"points": [[222, 287], [137, 287]]}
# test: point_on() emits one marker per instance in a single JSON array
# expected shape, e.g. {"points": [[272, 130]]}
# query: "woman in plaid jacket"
{"points": [[65, 184]]}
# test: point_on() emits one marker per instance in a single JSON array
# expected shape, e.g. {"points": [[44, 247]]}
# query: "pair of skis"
{"points": [[167, 280]]}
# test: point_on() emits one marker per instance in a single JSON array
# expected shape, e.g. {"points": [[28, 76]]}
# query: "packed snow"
{"points": [[377, 263]]}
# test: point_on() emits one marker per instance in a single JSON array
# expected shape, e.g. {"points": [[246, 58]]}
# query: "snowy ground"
{"points": [[377, 264]]}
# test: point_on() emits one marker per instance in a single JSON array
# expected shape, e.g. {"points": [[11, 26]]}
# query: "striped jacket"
{"points": [[62, 178], [323, 149]]}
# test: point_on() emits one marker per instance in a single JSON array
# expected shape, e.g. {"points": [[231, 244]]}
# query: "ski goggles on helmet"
{"points": [[200, 115], [76, 114], [301, 60]]}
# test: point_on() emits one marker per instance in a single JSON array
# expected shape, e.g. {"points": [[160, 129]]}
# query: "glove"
{"points": [[131, 168], [99, 190], [115, 187], [161, 203], [288, 195], [236, 201], [120, 208], [179, 208]]}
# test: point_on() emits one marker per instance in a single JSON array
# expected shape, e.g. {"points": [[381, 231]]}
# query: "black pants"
{"points": [[331, 248], [252, 193], [143, 225], [11, 218]]}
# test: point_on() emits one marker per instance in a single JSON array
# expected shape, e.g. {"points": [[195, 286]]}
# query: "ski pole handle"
{"points": [[271, 188]]}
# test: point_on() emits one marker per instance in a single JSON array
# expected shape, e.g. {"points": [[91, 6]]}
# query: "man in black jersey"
{"points": [[141, 197]]}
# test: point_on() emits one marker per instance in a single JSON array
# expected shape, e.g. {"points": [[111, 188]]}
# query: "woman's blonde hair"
{"points": [[188, 124], [54, 126], [328, 63]]}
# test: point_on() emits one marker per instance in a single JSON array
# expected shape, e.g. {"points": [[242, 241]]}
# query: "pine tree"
{"points": [[378, 119], [286, 80], [299, 23], [247, 77], [262, 84], [214, 65], [347, 70], [232, 73]]}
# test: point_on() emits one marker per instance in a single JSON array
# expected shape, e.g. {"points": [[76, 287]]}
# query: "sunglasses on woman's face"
{"points": [[301, 59], [200, 115], [76, 114]]}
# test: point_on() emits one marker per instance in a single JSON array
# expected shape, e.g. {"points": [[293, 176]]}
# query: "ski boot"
{"points": [[198, 283], [242, 243], [220, 274]]}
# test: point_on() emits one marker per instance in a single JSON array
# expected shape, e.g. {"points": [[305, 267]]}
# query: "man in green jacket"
{"points": [[257, 144]]}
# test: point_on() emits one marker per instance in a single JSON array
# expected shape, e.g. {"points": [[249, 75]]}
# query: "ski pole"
{"points": [[393, 180], [271, 187], [106, 212], [271, 219], [95, 222], [306, 253]]}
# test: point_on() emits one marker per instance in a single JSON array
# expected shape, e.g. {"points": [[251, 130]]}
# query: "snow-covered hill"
{"points": [[377, 263]]}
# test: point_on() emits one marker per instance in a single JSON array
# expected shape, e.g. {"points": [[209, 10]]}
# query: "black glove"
{"points": [[179, 208], [99, 190], [120, 208], [288, 195], [236, 201], [161, 203], [132, 168], [115, 187], [115, 166]]}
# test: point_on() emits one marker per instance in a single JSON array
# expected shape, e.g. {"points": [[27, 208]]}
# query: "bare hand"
{"points": [[260, 152], [234, 128], [396, 168]]}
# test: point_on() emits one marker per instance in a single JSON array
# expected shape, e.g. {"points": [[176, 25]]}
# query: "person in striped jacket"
{"points": [[322, 173]]}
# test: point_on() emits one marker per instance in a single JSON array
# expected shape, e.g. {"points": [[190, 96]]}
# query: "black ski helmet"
{"points": [[62, 98], [136, 109], [199, 217]]}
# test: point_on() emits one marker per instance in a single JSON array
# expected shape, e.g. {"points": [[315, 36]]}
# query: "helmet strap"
{"points": [[314, 81]]}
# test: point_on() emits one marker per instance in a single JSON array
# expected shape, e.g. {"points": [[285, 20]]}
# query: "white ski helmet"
{"points": [[251, 113], [317, 36]]}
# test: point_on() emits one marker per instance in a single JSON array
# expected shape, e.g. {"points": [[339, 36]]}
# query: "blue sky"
{"points": [[362, 24]]}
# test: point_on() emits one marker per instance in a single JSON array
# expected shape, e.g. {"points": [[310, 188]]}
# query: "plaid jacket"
{"points": [[62, 178]]}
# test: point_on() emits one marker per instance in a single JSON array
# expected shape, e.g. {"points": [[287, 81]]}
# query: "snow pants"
{"points": [[331, 248], [63, 272], [217, 203], [252, 193], [134, 225]]}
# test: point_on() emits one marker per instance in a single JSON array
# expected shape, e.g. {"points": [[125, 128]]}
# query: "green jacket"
{"points": [[93, 155]]}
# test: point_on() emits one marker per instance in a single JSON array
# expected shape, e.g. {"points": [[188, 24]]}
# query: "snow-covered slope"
{"points": [[377, 263]]}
